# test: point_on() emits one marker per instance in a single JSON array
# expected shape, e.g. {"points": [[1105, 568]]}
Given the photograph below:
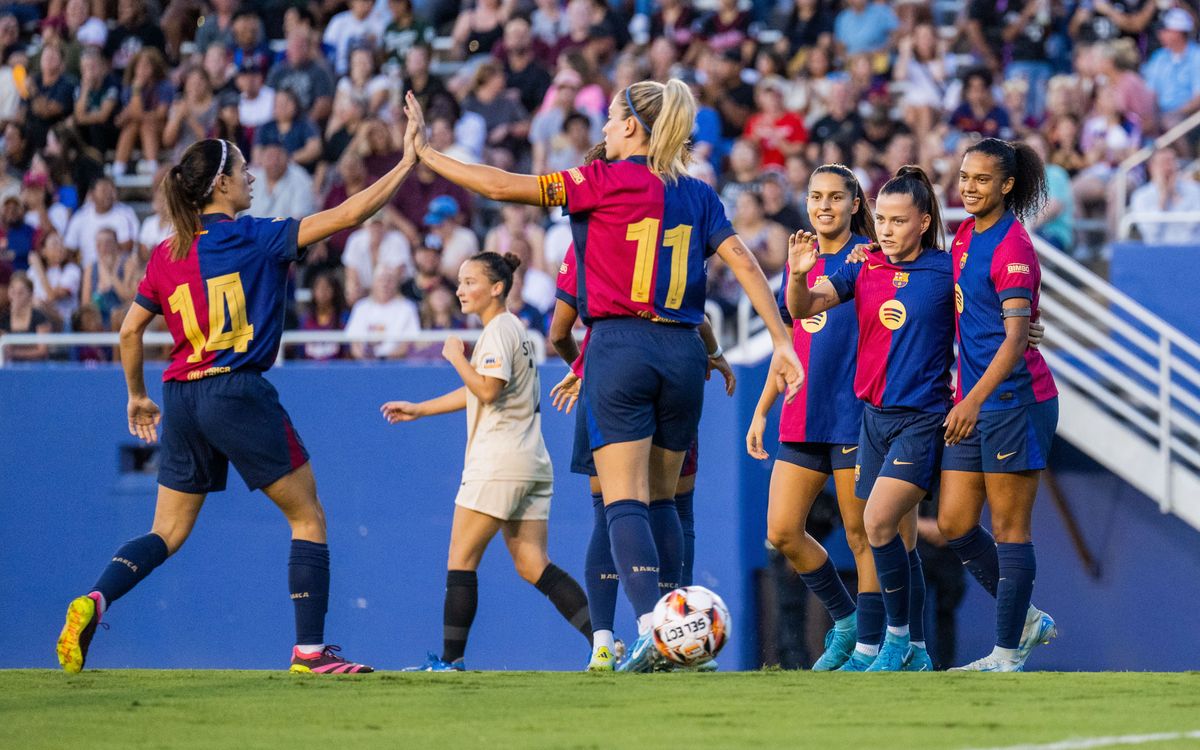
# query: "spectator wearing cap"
{"points": [[351, 27], [979, 112], [16, 237], [1173, 71], [192, 117], [456, 242], [82, 26], [51, 97], [256, 105], [292, 130], [864, 27], [217, 26], [371, 249], [524, 60], [102, 210], [384, 311], [1166, 192], [133, 33], [22, 316], [43, 211], [364, 84], [778, 133], [281, 188], [478, 29], [301, 73], [404, 29], [145, 99], [96, 101]]}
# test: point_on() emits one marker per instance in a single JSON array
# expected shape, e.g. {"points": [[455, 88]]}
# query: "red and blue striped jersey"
{"points": [[905, 329], [568, 283], [224, 302], [989, 268], [826, 410], [641, 244]]}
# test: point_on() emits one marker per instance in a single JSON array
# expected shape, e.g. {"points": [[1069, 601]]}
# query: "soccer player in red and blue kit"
{"points": [[903, 299], [818, 436], [221, 284], [642, 231], [999, 432]]}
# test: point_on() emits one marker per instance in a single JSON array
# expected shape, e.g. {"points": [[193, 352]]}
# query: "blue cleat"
{"points": [[1039, 628], [893, 655], [434, 663], [919, 661], [839, 645], [858, 662], [643, 655]]}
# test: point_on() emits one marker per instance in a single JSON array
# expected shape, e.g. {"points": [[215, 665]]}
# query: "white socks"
{"points": [[603, 639]]}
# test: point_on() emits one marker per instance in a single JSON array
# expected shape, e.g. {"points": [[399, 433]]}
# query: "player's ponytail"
{"points": [[912, 181], [189, 186], [667, 112], [861, 221], [499, 268], [1020, 162]]}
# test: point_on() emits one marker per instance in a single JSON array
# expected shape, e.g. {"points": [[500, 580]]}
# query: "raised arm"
{"points": [[803, 302]]}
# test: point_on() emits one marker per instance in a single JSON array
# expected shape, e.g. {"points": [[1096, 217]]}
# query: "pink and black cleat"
{"points": [[326, 662]]}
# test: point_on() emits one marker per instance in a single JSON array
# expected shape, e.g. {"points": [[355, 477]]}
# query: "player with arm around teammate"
{"points": [[999, 432], [221, 284], [507, 477], [643, 230]]}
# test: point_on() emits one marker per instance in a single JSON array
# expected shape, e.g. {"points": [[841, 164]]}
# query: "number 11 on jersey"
{"points": [[679, 239]]}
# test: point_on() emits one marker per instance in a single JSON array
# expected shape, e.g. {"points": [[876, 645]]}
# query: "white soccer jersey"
{"points": [[504, 438]]}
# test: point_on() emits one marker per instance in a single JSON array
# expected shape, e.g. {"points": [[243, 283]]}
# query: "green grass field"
{"points": [[243, 710]]}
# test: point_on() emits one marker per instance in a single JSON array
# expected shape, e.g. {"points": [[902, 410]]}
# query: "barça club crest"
{"points": [[900, 280], [963, 263]]}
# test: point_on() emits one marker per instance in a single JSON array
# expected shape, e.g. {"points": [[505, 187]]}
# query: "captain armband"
{"points": [[1016, 312], [551, 190]]}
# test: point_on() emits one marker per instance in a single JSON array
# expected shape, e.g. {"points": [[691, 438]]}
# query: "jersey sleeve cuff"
{"points": [[570, 299], [293, 239], [787, 316], [714, 242], [145, 302], [1016, 292]]}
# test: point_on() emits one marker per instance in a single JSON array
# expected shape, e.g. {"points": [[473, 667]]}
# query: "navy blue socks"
{"points": [[599, 571], [683, 504], [1018, 567], [977, 550], [131, 563], [308, 582], [458, 612], [891, 563], [828, 587], [567, 596], [916, 598], [870, 622], [634, 552], [668, 540]]}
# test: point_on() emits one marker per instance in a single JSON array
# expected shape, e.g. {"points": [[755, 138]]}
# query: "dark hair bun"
{"points": [[512, 260]]}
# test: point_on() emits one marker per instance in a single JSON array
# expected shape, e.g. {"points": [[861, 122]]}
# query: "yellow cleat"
{"points": [[77, 634], [603, 660]]}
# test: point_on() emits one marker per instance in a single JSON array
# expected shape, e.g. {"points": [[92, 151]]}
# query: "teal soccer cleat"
{"points": [[919, 661], [839, 645], [858, 662], [893, 655], [643, 655]]}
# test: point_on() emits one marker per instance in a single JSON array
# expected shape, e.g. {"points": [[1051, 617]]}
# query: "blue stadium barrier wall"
{"points": [[1163, 278], [65, 505]]}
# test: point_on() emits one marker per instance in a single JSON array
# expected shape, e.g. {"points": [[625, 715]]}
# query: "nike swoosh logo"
{"points": [[892, 591], [873, 266], [1002, 456], [956, 244], [898, 462], [851, 449]]}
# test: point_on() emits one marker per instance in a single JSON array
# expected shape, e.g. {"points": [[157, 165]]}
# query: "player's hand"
{"points": [[787, 370], [400, 411], [453, 350], [802, 252], [564, 395], [960, 422], [143, 418], [754, 437], [1037, 332], [721, 365], [858, 253], [416, 124]]}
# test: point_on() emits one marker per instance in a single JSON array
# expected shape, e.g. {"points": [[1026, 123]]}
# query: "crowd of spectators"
{"points": [[99, 97]]}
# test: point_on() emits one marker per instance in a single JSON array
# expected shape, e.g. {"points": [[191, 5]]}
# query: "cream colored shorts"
{"points": [[507, 499]]}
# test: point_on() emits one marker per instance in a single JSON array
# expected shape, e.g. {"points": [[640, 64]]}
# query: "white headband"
{"points": [[220, 167]]}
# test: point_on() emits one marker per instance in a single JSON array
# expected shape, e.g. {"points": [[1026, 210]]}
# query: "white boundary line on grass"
{"points": [[1091, 742]]}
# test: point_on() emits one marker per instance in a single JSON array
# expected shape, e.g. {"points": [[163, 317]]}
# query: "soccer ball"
{"points": [[690, 625]]}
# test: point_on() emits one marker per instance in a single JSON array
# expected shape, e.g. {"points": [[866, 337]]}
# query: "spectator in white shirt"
{"points": [[281, 188], [456, 242], [155, 228], [256, 106], [1167, 192], [372, 248], [56, 280], [350, 27], [385, 311], [102, 210]]}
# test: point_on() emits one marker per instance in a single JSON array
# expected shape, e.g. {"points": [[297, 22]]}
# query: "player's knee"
{"points": [[784, 538], [952, 527], [1010, 531], [530, 568], [879, 528], [856, 540], [173, 534]]}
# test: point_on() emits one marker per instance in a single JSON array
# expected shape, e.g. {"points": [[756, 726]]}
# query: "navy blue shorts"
{"points": [[825, 458], [643, 380], [581, 452], [234, 417], [901, 444], [1006, 440]]}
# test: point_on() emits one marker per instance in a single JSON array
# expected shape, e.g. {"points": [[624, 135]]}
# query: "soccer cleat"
{"points": [[643, 655], [858, 662], [839, 644], [325, 662], [918, 661], [1039, 628], [77, 633], [893, 655], [434, 663], [708, 666], [603, 660], [991, 663]]}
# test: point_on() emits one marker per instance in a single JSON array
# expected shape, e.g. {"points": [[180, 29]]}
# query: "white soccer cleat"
{"points": [[991, 663]]}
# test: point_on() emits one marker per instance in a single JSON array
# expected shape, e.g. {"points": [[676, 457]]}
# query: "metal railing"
{"points": [[1141, 156], [1131, 218]]}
